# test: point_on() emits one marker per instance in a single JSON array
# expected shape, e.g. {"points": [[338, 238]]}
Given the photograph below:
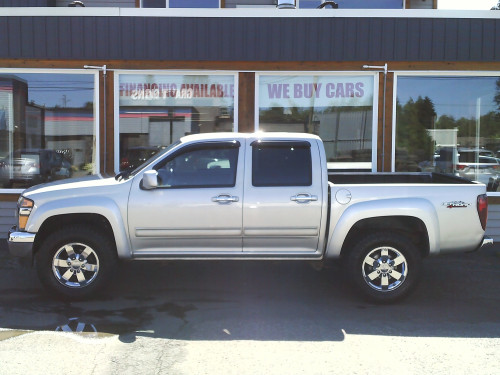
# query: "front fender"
{"points": [[412, 207], [103, 206]]}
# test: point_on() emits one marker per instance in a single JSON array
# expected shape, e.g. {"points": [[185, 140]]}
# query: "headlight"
{"points": [[24, 210]]}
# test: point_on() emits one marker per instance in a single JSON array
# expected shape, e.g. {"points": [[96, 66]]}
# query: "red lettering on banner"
{"points": [[150, 91]]}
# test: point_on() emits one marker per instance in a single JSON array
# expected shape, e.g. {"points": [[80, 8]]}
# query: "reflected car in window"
{"points": [[27, 167], [485, 169]]}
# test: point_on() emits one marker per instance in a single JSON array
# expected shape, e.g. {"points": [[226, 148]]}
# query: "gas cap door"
{"points": [[343, 196]]}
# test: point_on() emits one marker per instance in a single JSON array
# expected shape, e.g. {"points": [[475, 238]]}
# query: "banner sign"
{"points": [[181, 90], [315, 91]]}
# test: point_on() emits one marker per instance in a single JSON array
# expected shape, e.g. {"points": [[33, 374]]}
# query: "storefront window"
{"points": [[194, 3], [449, 124], [180, 3], [339, 109], [47, 127], [156, 110], [355, 4]]}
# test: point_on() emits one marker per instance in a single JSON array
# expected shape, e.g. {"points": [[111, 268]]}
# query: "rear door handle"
{"points": [[225, 199], [304, 198]]}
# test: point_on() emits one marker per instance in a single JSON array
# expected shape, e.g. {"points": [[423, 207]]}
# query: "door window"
{"points": [[200, 166], [281, 164]]}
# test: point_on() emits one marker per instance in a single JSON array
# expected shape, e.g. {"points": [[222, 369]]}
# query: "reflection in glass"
{"points": [[46, 127], [194, 3], [449, 125], [355, 4], [157, 110], [339, 109]]}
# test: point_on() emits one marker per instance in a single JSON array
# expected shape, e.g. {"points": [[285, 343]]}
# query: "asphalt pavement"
{"points": [[235, 317]]}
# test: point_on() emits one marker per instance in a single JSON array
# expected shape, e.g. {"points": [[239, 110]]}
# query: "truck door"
{"points": [[196, 208], [282, 209]]}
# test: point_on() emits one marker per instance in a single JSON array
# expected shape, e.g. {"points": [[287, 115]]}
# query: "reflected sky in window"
{"points": [[62, 90], [452, 96]]}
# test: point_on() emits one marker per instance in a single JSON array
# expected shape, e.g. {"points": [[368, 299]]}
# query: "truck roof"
{"points": [[256, 135]]}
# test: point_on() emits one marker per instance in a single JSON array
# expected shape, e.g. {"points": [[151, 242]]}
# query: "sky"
{"points": [[453, 96], [467, 4]]}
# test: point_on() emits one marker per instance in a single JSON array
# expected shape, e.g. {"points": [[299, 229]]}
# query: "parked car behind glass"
{"points": [[27, 167]]}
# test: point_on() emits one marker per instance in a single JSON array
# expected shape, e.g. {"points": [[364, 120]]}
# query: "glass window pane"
{"points": [[157, 110], [153, 3], [339, 109], [281, 165], [449, 125], [309, 4], [206, 167], [47, 127], [370, 4], [194, 4]]}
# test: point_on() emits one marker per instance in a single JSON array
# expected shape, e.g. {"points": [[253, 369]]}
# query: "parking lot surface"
{"points": [[232, 317]]}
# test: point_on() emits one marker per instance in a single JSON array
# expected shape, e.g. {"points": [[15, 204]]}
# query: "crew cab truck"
{"points": [[265, 196]]}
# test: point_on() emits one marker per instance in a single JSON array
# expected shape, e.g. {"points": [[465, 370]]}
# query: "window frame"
{"points": [[118, 72], [96, 112], [429, 73], [375, 102], [230, 144]]}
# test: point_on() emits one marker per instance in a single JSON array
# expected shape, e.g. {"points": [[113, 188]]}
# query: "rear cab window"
{"points": [[281, 163]]}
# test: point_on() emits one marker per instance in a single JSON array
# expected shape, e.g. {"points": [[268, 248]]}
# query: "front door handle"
{"points": [[304, 198], [225, 199]]}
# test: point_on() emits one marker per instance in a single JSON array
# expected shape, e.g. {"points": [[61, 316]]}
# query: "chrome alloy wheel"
{"points": [[75, 265], [384, 269]]}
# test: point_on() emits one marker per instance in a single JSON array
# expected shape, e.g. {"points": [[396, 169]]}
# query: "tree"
{"points": [[414, 119]]}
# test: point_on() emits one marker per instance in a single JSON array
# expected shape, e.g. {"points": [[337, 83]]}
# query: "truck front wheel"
{"points": [[75, 262], [384, 266]]}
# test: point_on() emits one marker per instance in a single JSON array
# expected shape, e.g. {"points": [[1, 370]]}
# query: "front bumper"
{"points": [[20, 243]]}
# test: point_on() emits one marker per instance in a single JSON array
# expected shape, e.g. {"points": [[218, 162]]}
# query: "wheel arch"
{"points": [[410, 227], [54, 223], [415, 218]]}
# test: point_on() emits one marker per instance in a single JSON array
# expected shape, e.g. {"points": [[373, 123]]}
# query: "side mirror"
{"points": [[150, 180]]}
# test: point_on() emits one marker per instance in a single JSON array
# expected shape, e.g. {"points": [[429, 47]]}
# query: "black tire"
{"points": [[384, 266], [76, 262]]}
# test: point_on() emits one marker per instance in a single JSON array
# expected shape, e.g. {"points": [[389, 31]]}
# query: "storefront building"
{"points": [[98, 90]]}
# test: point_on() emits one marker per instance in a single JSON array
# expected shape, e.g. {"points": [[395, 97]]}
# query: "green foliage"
{"points": [[415, 117], [413, 120]]}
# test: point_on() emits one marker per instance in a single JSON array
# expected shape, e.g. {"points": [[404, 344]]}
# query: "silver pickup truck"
{"points": [[265, 196]]}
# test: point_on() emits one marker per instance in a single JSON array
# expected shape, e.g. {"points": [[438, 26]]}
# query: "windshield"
{"points": [[132, 172]]}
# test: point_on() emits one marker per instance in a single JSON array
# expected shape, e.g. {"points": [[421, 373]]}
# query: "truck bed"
{"points": [[394, 178]]}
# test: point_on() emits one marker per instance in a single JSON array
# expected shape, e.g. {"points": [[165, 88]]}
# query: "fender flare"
{"points": [[418, 208], [102, 206]]}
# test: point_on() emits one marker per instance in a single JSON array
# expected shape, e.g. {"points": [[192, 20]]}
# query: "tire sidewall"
{"points": [[364, 246], [95, 239]]}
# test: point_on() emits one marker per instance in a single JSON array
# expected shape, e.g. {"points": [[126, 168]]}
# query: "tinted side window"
{"points": [[205, 166], [281, 164]]}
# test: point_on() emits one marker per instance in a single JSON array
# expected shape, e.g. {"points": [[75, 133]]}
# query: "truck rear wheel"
{"points": [[384, 266], [76, 262]]}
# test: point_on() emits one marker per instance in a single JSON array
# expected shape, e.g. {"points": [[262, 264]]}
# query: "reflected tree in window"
{"points": [[414, 145]]}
